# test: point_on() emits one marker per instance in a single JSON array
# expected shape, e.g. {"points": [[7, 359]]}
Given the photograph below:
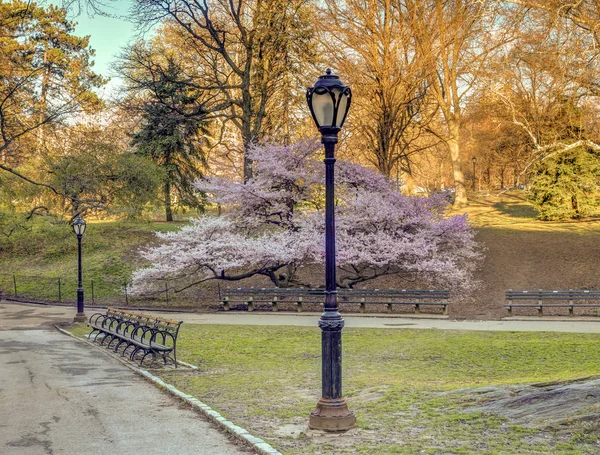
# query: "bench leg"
{"points": [[110, 337], [274, 306], [226, 304], [417, 309], [146, 355], [124, 353], [300, 305], [445, 310], [540, 311], [362, 308], [250, 305], [133, 353], [116, 349]]}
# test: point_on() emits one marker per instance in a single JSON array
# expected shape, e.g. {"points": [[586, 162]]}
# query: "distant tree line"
{"points": [[436, 83]]}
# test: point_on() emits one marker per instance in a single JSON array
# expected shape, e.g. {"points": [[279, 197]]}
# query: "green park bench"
{"points": [[144, 334], [415, 298], [540, 298]]}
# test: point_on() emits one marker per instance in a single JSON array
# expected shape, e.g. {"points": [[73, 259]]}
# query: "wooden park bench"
{"points": [[300, 296], [144, 334], [540, 298]]}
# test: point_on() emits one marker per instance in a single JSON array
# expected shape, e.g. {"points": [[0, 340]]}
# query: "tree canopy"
{"points": [[273, 226]]}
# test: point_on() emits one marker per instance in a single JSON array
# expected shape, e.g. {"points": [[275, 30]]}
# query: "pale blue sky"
{"points": [[108, 35]]}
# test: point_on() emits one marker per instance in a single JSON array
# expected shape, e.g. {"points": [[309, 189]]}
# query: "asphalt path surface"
{"points": [[61, 396], [20, 315]]}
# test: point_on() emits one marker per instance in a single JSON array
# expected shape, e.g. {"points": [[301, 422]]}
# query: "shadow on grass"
{"points": [[516, 210]]}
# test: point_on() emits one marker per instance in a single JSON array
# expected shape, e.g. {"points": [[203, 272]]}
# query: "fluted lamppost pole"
{"points": [[329, 101], [79, 229], [474, 160]]}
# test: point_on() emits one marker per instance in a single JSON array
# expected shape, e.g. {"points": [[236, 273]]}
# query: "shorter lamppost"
{"points": [[474, 160], [329, 101], [79, 229]]}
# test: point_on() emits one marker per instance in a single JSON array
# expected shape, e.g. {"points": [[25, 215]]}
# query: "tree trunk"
{"points": [[74, 206], [43, 102], [459, 177], [575, 206], [247, 120], [247, 164], [168, 209], [409, 184]]}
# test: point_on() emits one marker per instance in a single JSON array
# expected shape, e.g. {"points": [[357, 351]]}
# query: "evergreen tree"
{"points": [[170, 135], [566, 185]]}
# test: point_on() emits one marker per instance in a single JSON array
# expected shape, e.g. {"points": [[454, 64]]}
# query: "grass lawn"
{"points": [[404, 385], [40, 256], [512, 210]]}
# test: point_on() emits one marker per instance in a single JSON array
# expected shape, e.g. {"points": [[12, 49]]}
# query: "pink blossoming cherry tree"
{"points": [[274, 224]]}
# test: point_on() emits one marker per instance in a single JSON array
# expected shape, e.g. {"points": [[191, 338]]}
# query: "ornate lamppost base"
{"points": [[332, 415], [80, 317]]}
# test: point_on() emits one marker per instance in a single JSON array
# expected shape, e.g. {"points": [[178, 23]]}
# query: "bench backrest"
{"points": [[343, 293], [395, 293], [540, 294], [168, 325], [273, 291]]}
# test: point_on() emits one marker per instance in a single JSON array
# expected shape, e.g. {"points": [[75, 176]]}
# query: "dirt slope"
{"points": [[522, 259]]}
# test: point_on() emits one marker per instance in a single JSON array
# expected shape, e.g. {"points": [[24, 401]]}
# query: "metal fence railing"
{"points": [[104, 292]]}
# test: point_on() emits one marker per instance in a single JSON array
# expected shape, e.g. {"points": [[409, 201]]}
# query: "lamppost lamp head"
{"points": [[474, 160], [79, 226], [329, 101]]}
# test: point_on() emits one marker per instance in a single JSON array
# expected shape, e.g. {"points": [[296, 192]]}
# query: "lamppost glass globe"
{"points": [[79, 226], [329, 101]]}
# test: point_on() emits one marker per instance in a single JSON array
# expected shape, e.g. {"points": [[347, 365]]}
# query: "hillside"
{"points": [[524, 253], [520, 253]]}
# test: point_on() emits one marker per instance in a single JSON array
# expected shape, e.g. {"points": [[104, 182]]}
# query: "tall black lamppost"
{"points": [[474, 160], [329, 101], [79, 229]]}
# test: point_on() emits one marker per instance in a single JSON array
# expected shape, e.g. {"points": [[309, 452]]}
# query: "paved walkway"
{"points": [[12, 315], [61, 396]]}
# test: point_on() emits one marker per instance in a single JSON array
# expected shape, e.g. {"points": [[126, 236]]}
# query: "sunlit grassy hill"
{"points": [[36, 258], [525, 253], [512, 210]]}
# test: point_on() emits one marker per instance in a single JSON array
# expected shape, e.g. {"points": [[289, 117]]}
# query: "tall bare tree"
{"points": [[245, 45], [373, 46], [546, 81], [455, 38]]}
